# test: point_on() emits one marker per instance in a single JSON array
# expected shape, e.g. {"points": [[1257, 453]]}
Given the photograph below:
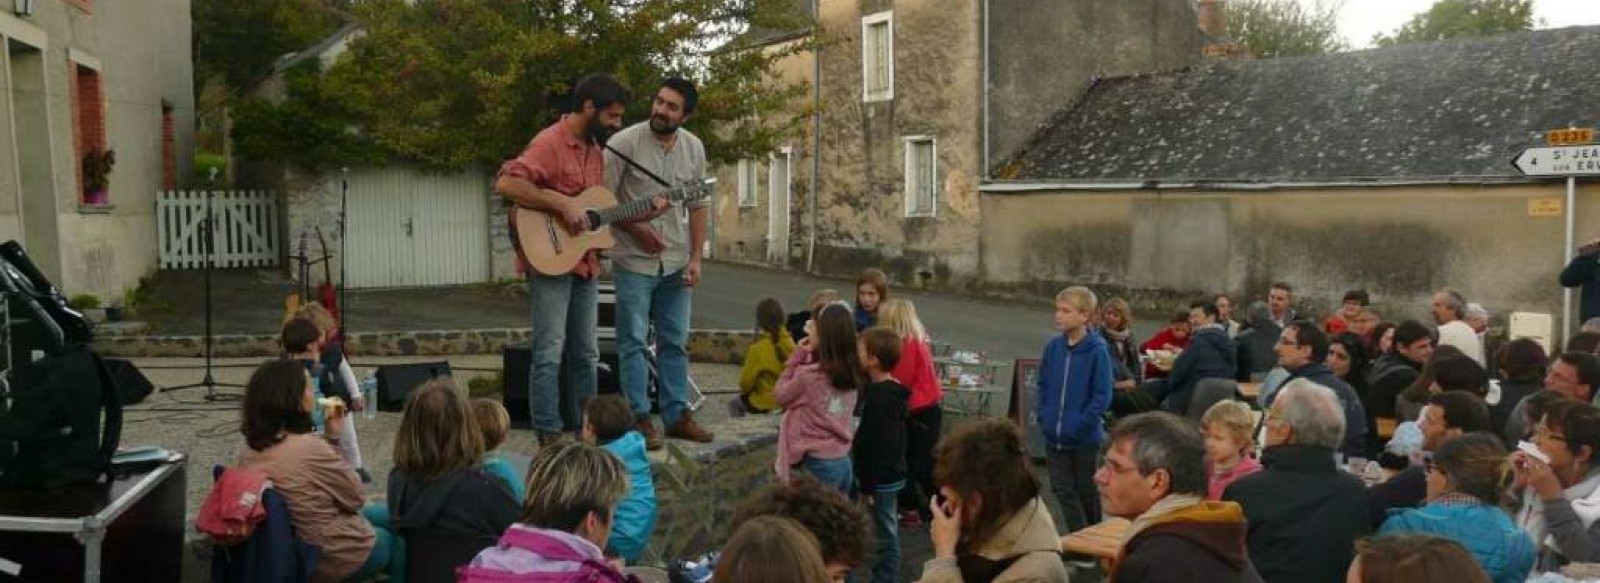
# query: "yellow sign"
{"points": [[1544, 207], [1570, 137]]}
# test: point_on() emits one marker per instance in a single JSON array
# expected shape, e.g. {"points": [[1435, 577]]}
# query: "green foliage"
{"points": [[238, 40], [309, 128], [452, 83], [83, 302], [1449, 19], [486, 387], [1285, 28], [204, 162]]}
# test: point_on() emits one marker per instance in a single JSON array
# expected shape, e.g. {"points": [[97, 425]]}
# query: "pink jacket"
{"points": [[816, 416], [1247, 465]]}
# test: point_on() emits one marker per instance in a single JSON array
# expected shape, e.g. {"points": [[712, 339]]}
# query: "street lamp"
{"points": [[24, 8]]}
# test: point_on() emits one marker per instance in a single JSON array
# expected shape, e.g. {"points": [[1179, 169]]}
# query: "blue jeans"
{"points": [[835, 472], [565, 352], [886, 532], [662, 300]]}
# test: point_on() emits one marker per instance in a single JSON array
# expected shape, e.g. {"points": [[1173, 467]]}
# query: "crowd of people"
{"points": [[1488, 447]]}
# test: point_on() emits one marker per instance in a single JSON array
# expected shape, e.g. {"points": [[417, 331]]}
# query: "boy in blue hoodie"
{"points": [[608, 422], [1075, 378]]}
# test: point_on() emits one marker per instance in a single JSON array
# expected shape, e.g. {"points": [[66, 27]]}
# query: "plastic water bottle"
{"points": [[369, 395], [318, 416]]}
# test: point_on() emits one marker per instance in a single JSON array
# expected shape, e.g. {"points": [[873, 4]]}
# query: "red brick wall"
{"points": [[88, 117], [169, 151]]}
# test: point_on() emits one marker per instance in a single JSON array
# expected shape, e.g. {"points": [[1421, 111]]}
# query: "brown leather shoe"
{"points": [[687, 429], [652, 440]]}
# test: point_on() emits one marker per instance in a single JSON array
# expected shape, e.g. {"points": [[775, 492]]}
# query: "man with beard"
{"points": [[561, 162], [657, 258]]}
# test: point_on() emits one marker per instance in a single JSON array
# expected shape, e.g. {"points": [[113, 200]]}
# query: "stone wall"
{"points": [[1399, 243], [718, 346], [697, 494]]}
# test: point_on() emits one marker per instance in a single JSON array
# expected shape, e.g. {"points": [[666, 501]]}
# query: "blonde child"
{"points": [[924, 414], [763, 362], [1227, 425], [495, 423], [818, 392], [797, 321], [340, 378], [1074, 382]]}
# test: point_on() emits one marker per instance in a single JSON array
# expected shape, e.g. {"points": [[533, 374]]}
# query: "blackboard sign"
{"points": [[1024, 393]]}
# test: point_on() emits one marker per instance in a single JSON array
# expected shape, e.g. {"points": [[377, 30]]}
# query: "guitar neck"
{"points": [[633, 209]]}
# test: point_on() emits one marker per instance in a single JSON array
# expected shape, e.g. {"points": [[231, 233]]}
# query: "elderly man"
{"points": [[1447, 415], [1155, 475], [1305, 513], [1449, 312]]}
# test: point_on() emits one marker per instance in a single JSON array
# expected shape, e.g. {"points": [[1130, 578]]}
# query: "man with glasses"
{"points": [[1447, 416], [1302, 350], [1155, 475], [1305, 513]]}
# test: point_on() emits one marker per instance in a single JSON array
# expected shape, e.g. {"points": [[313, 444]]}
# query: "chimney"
{"points": [[1213, 20], [1213, 16]]}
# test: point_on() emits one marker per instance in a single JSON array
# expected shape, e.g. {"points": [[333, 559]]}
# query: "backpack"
{"points": [[234, 507], [588, 569], [53, 429]]}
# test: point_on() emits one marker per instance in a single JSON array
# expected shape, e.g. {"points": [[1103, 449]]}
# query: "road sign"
{"points": [[1570, 137], [1559, 161]]}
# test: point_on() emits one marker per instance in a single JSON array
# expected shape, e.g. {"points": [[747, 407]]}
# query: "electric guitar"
{"points": [[552, 250]]}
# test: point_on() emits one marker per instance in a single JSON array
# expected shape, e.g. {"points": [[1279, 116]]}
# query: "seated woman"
{"points": [[1001, 529], [1463, 505], [442, 501], [1561, 498], [322, 490], [1173, 338], [573, 495], [772, 549]]}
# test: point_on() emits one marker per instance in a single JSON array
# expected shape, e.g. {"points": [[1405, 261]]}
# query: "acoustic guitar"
{"points": [[552, 250]]}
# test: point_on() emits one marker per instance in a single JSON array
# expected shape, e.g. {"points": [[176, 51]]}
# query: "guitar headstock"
{"points": [[693, 191]]}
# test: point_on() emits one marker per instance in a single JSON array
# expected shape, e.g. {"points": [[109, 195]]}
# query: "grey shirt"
{"points": [[684, 163]]}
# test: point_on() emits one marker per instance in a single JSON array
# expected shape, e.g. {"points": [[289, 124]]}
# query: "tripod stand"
{"points": [[208, 248]]}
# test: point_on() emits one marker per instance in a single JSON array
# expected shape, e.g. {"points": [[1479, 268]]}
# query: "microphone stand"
{"points": [[207, 245]]}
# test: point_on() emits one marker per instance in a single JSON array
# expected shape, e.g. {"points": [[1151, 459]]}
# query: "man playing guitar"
{"points": [[561, 161], [656, 259]]}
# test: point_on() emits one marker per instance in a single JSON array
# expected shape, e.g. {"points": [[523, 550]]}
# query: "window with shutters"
{"points": [[877, 57], [749, 183], [922, 176]]}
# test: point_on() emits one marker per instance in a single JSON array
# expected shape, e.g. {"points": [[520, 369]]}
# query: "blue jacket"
{"points": [[1505, 551], [1074, 386], [1210, 355], [636, 514]]}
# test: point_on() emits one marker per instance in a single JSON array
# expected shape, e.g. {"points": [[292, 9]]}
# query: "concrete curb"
{"points": [[715, 346]]}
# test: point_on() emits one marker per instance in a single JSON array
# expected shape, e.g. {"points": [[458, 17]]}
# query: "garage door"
{"points": [[410, 228]]}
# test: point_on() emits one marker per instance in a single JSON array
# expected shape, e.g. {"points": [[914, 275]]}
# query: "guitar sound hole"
{"points": [[594, 219]]}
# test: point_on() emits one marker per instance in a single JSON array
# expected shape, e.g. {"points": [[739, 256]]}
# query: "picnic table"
{"points": [[1102, 541]]}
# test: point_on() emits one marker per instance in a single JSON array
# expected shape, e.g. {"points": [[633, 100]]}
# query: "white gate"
{"points": [[247, 232], [410, 228]]}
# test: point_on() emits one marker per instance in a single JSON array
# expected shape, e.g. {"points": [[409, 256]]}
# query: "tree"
{"points": [[237, 41], [1285, 28], [452, 83], [1448, 19]]}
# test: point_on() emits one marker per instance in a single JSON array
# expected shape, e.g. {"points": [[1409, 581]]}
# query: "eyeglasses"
{"points": [[1287, 342]]}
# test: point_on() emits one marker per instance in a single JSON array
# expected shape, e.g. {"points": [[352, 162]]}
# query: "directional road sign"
{"points": [[1559, 161]]}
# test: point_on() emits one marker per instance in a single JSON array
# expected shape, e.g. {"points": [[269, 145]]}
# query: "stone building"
{"points": [[82, 76], [1385, 169], [916, 99]]}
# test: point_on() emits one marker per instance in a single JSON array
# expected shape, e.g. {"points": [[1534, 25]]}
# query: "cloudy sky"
{"points": [[1363, 18]]}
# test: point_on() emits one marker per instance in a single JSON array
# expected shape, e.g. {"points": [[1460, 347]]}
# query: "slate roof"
{"points": [[1449, 109], [288, 61]]}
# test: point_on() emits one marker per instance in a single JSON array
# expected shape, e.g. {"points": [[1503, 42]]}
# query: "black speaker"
{"points": [[516, 362], [131, 384], [395, 382]]}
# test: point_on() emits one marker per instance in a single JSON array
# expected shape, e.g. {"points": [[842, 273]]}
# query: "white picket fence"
{"points": [[248, 233]]}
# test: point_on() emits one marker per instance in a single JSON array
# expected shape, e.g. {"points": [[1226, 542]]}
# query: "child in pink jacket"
{"points": [[818, 392]]}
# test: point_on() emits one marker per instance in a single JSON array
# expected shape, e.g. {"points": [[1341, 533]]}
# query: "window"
{"points": [[89, 133], [877, 57], [749, 183], [169, 148], [922, 176]]}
